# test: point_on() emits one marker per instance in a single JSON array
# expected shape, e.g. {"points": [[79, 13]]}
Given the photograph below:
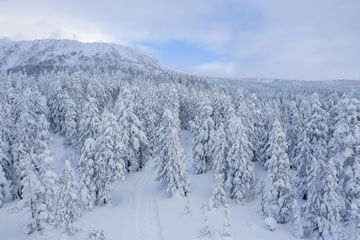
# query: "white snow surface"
{"points": [[142, 210]]}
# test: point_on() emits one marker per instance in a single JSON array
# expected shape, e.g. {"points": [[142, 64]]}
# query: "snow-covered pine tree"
{"points": [[56, 106], [5, 128], [220, 102], [322, 208], [306, 166], [345, 152], [109, 159], [219, 168], [171, 159], [47, 198], [317, 133], [148, 116], [3, 184], [240, 178], [243, 112], [70, 124], [31, 136], [258, 123], [133, 137], [203, 131], [279, 197], [87, 171], [32, 190], [332, 108], [89, 121], [68, 202], [296, 220], [293, 131]]}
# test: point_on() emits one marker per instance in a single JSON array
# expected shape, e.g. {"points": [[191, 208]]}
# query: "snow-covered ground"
{"points": [[142, 210]]}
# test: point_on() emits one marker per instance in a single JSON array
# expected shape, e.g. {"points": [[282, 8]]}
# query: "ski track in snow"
{"points": [[143, 204]]}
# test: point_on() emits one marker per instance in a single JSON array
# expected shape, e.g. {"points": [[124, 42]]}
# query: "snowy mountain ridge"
{"points": [[15, 54]]}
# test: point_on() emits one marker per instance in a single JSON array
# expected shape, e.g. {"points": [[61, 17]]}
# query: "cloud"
{"points": [[218, 69], [20, 22], [252, 38]]}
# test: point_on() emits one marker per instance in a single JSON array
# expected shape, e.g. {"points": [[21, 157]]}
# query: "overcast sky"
{"points": [[292, 39]]}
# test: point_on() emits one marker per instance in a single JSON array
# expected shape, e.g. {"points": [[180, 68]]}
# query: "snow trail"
{"points": [[142, 203]]}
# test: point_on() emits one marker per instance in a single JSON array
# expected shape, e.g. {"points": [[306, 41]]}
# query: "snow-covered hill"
{"points": [[45, 53], [37, 56]]}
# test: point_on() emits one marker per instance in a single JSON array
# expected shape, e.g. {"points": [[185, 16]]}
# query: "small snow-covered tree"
{"points": [[68, 202], [219, 168], [205, 231], [240, 173], [87, 171], [227, 226], [296, 220], [187, 208], [95, 234], [203, 131], [279, 197], [109, 160], [171, 159]]}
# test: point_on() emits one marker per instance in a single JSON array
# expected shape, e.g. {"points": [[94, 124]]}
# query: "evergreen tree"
{"points": [[279, 197], [219, 169], [109, 161], [47, 198], [221, 103], [203, 135], [258, 124], [296, 220], [322, 207], [306, 166], [240, 175], [70, 124], [317, 133], [3, 183], [68, 202], [89, 121], [31, 191], [133, 137], [345, 152], [171, 159], [293, 132], [87, 170]]}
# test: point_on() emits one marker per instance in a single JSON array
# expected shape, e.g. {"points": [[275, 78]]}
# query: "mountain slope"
{"points": [[45, 53]]}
